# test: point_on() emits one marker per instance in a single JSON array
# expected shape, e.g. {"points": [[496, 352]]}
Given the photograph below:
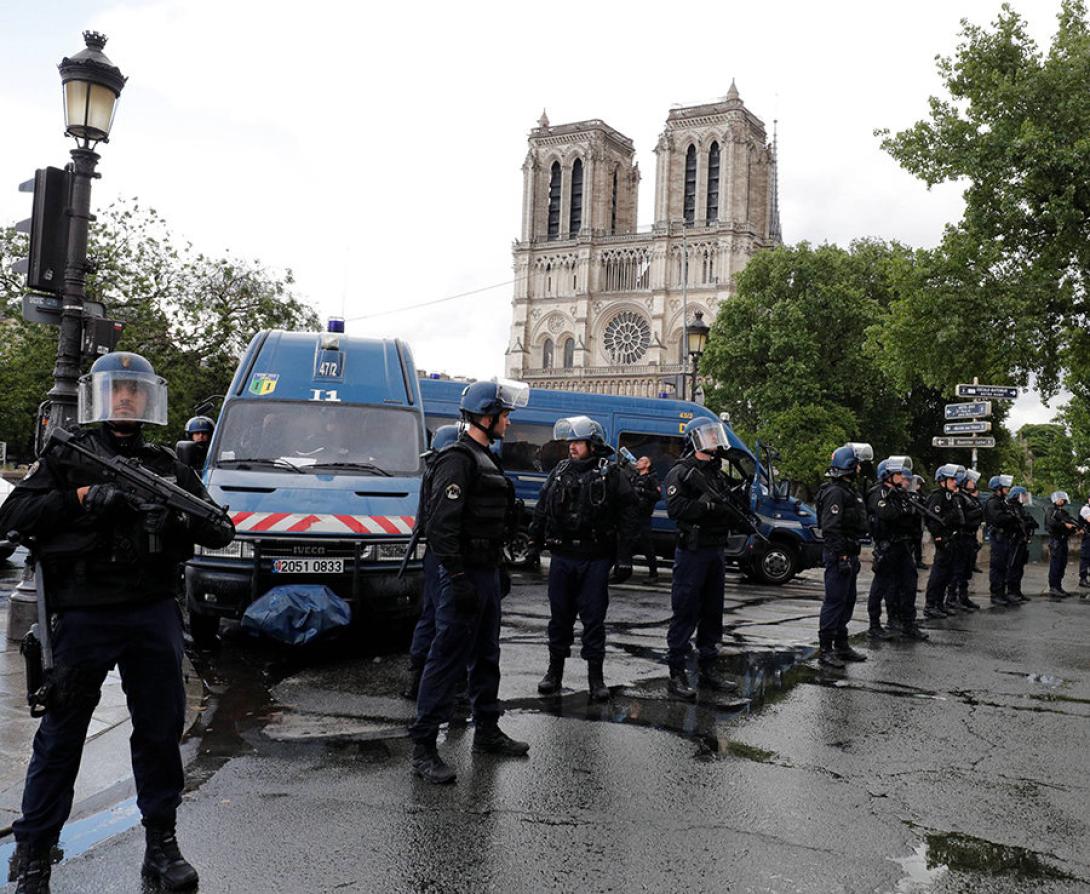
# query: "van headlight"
{"points": [[236, 549]]}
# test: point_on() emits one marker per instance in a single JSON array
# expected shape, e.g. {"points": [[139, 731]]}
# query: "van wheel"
{"points": [[204, 629], [776, 564], [517, 549]]}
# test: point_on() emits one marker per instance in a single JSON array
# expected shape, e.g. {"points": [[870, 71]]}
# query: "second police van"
{"points": [[317, 455], [649, 427]]}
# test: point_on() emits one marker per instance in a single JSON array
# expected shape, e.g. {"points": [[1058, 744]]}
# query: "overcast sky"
{"points": [[375, 149]]}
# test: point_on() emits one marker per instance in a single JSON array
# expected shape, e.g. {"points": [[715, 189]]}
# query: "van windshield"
{"points": [[335, 438]]}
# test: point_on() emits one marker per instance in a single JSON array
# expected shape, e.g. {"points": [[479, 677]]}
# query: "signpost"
{"points": [[974, 443], [966, 428], [1002, 392], [969, 411]]}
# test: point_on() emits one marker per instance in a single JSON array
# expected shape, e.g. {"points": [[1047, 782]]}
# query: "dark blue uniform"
{"points": [[586, 517], [1084, 549], [698, 498], [893, 526], [965, 550], [1018, 553], [648, 492], [1003, 528], [1060, 527], [112, 586], [842, 516], [946, 505]]}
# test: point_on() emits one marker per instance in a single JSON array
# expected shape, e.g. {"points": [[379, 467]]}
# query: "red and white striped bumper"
{"points": [[304, 523]]}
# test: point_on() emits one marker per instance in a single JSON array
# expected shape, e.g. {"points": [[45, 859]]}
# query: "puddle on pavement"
{"points": [[943, 852]]}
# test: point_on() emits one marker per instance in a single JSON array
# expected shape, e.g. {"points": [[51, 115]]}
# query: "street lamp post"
{"points": [[696, 337], [92, 85]]}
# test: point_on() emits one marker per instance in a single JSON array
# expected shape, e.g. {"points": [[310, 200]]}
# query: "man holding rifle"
{"points": [[112, 517]]}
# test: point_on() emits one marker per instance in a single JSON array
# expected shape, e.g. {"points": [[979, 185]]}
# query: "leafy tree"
{"points": [[1006, 292], [190, 314], [1046, 460]]}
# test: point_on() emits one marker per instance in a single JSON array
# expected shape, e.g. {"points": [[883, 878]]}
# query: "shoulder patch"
{"points": [[453, 492], [671, 490], [881, 503], [834, 509]]}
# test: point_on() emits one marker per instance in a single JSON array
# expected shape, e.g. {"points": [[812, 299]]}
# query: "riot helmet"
{"points": [[998, 481], [704, 435], [201, 426], [1058, 495], [490, 399], [582, 428], [122, 387], [972, 477], [845, 460], [916, 484], [1020, 495], [883, 471], [947, 470]]}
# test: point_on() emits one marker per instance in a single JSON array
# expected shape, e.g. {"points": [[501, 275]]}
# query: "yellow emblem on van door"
{"points": [[263, 383]]}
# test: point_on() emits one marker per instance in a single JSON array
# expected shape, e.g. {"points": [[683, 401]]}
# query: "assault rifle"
{"points": [[141, 486], [920, 508]]}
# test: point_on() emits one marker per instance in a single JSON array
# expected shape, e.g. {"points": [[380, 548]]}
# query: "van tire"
{"points": [[204, 629], [775, 564]]}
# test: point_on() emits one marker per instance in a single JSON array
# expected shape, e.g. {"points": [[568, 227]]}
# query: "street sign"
{"points": [[966, 428], [42, 309], [1002, 392], [969, 411], [963, 442]]}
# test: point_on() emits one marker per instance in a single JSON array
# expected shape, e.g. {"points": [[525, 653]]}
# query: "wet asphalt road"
{"points": [[956, 765]]}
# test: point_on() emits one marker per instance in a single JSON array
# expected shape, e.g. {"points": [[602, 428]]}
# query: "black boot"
{"points": [[1000, 599], [846, 653], [878, 632], [950, 606], [913, 631], [827, 657], [967, 604], [710, 679], [934, 612], [554, 676], [427, 764], [679, 685], [490, 739], [164, 862], [34, 868], [1058, 593], [596, 683], [412, 685]]}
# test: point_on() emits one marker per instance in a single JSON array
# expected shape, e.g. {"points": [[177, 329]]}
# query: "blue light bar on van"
{"points": [[336, 324]]}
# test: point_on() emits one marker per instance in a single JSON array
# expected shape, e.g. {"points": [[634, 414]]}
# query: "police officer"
{"points": [[466, 526], [1002, 525], [110, 571], [648, 491], [942, 502], [699, 500], [1018, 500], [965, 545], [424, 632], [842, 516], [198, 431], [1060, 526], [917, 487], [1084, 549], [893, 524], [586, 517]]}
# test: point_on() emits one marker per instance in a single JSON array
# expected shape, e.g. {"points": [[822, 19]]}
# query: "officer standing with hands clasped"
{"points": [[466, 526], [843, 520], [586, 517], [1060, 527], [110, 571], [698, 498]]}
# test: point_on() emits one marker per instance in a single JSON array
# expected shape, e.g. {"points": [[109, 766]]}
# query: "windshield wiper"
{"points": [[261, 461], [355, 467]]}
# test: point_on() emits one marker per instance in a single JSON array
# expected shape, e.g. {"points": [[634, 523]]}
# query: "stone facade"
{"points": [[600, 305]]}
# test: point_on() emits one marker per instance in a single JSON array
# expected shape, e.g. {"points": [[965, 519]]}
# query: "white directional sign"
{"points": [[1002, 392], [966, 428], [963, 442], [969, 411]]}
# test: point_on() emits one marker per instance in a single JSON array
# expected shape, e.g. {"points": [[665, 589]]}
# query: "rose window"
{"points": [[627, 337]]}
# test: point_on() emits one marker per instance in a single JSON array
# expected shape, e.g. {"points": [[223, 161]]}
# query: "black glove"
{"points": [[466, 599], [104, 500], [505, 583], [622, 571]]}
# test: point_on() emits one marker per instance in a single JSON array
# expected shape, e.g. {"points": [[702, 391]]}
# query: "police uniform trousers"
{"points": [[645, 546], [895, 582], [461, 640], [998, 563], [1016, 564], [839, 601], [145, 643], [424, 632], [578, 585], [881, 589], [1057, 562], [942, 573], [1084, 557], [696, 597], [964, 558]]}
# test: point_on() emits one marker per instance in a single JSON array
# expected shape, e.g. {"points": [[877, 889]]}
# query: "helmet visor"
{"points": [[1084, 513], [1006, 480], [512, 394], [576, 428], [972, 475], [710, 438], [122, 396], [1060, 495], [899, 464], [864, 453]]}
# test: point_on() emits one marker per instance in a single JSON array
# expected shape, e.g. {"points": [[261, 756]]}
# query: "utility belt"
{"points": [[86, 583], [582, 545], [482, 552], [694, 538]]}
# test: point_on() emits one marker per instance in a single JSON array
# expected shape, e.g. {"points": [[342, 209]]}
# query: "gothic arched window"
{"points": [[554, 200], [690, 185], [712, 213], [575, 217], [627, 337], [569, 353], [547, 354], [613, 205]]}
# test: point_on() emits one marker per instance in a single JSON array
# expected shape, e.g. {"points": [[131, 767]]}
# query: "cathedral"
{"points": [[601, 305]]}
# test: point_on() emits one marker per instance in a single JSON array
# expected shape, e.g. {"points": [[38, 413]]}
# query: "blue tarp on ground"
{"points": [[297, 614]]}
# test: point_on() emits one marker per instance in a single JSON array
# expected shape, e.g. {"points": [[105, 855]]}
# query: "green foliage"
{"points": [[1005, 295], [190, 314], [1047, 461]]}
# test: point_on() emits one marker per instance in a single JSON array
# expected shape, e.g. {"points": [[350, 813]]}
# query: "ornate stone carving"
{"points": [[555, 323]]}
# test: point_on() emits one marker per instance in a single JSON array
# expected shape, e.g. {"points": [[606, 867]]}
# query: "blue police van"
{"points": [[317, 454], [651, 427]]}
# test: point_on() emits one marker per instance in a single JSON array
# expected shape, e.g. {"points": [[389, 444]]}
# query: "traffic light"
{"points": [[48, 230]]}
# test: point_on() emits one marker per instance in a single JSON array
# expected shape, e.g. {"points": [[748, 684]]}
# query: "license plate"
{"points": [[308, 566]]}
